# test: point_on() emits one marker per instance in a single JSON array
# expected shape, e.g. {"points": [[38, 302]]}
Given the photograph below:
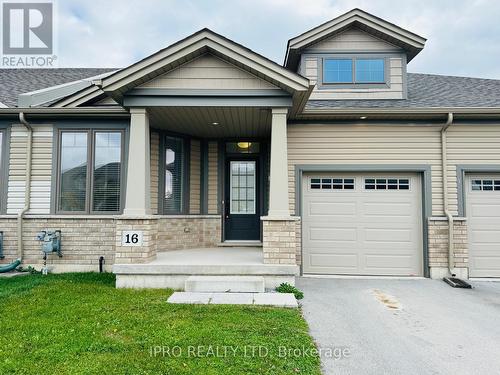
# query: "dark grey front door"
{"points": [[242, 216]]}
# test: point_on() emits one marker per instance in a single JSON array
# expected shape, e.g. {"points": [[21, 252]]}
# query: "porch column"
{"points": [[278, 186], [137, 198]]}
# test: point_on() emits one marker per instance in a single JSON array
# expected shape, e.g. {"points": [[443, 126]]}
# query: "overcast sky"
{"points": [[463, 36]]}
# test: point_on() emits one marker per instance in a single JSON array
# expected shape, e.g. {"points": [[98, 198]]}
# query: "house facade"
{"points": [[206, 158]]}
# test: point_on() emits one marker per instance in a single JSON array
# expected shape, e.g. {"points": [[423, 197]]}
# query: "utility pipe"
{"points": [[444, 159], [27, 190]]}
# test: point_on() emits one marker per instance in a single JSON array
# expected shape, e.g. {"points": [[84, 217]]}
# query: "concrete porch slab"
{"points": [[262, 299], [171, 269]]}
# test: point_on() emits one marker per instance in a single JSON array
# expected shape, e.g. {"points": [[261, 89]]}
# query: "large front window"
{"points": [[90, 171], [174, 165]]}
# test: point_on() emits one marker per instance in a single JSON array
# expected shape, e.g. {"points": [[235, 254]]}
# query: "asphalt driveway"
{"points": [[383, 326]]}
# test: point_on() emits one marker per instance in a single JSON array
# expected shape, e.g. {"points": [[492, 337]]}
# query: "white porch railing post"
{"points": [[137, 197], [278, 186]]}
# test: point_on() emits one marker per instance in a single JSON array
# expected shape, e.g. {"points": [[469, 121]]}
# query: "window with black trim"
{"points": [[174, 176], [90, 169], [488, 184], [332, 183], [387, 184]]}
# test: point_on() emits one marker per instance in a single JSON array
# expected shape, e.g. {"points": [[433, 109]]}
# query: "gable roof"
{"points": [[408, 41], [427, 91], [17, 81], [173, 56]]}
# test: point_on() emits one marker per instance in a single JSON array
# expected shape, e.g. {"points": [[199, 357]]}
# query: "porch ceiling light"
{"points": [[363, 118], [215, 123], [244, 145]]}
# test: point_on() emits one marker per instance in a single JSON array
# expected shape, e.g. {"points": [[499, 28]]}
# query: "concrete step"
{"points": [[225, 284], [240, 244]]}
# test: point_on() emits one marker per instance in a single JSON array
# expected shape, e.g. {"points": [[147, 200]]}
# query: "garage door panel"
{"points": [[333, 234], [372, 232], [483, 214], [388, 236], [319, 208], [402, 263]]}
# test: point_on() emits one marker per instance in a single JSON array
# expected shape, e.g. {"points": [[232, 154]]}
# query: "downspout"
{"points": [[27, 190], [444, 158]]}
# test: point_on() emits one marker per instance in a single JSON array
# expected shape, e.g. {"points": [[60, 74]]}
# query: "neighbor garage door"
{"points": [[362, 224], [483, 215]]}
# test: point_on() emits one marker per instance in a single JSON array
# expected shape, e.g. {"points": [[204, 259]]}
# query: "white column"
{"points": [[137, 199], [278, 187]]}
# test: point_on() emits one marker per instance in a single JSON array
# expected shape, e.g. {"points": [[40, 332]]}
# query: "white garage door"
{"points": [[362, 224], [483, 215]]}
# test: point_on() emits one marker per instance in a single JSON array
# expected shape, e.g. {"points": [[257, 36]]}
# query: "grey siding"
{"points": [[194, 177], [213, 178], [155, 165], [208, 72]]}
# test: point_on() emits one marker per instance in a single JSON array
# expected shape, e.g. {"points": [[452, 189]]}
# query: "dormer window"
{"points": [[353, 70]]}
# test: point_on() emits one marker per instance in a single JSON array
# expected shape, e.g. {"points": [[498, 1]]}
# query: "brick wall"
{"points": [[83, 240], [280, 241], [137, 254], [188, 232], [438, 243]]}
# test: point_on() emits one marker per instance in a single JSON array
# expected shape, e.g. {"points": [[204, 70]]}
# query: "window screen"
{"points": [[107, 171], [174, 164]]}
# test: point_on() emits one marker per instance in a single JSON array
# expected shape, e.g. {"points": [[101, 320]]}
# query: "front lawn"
{"points": [[81, 324]]}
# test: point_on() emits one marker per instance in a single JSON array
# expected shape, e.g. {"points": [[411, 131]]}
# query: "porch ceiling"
{"points": [[233, 122]]}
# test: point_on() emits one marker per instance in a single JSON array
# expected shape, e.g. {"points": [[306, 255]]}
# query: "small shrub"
{"points": [[287, 288]]}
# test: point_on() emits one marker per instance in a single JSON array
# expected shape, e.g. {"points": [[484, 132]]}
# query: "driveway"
{"points": [[384, 326]]}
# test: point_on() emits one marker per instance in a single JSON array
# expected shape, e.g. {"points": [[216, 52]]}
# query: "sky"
{"points": [[463, 37]]}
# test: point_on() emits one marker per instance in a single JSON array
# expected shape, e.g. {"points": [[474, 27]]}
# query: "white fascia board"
{"points": [[38, 97], [3, 105]]}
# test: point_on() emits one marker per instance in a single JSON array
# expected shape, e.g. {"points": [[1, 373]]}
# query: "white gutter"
{"points": [[27, 188], [444, 159]]}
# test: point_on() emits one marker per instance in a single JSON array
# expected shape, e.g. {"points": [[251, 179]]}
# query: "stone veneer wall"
{"points": [[281, 241], [438, 243], [85, 239], [189, 232]]}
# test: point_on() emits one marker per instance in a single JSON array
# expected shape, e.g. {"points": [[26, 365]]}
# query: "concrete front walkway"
{"points": [[404, 326], [264, 299]]}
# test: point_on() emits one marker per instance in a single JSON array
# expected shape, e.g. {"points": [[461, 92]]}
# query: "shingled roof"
{"points": [[430, 91], [424, 90], [17, 81]]}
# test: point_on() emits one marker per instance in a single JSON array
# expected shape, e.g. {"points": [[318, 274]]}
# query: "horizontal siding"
{"points": [[356, 41], [470, 144], [213, 178], [194, 178], [362, 145], [353, 40], [155, 165], [41, 174], [208, 72]]}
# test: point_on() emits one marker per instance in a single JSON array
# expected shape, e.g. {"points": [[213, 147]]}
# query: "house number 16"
{"points": [[132, 238]]}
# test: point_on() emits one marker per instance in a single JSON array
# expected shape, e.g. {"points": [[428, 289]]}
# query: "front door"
{"points": [[242, 213]]}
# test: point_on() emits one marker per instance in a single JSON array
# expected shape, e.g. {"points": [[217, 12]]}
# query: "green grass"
{"points": [[81, 324]]}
